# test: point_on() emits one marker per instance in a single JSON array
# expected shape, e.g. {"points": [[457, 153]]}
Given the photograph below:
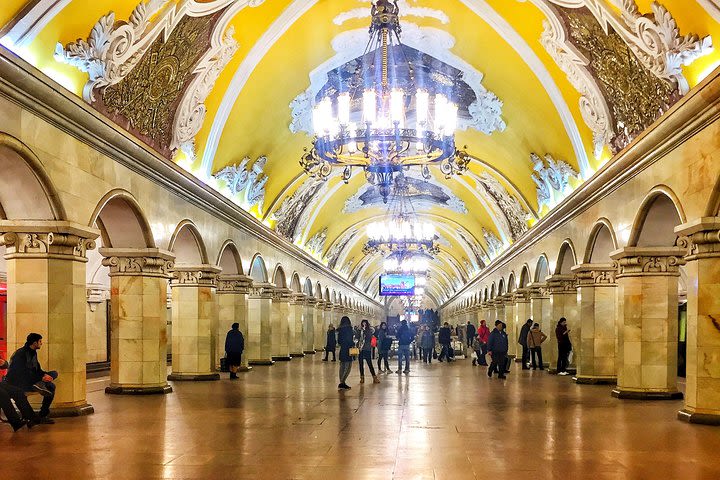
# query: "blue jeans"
{"points": [[404, 351]]}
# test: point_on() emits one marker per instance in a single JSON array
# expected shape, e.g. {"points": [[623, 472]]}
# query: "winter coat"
{"points": [[470, 331], [427, 340], [404, 335], [522, 338], [234, 342], [563, 338], [24, 368], [444, 336], [346, 340], [535, 338], [483, 333], [331, 341], [365, 340], [384, 341], [498, 341]]}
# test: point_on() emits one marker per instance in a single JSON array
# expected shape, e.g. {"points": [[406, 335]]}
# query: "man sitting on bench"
{"points": [[8, 393], [26, 374]]}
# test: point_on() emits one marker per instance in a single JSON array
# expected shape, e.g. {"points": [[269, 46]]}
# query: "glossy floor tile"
{"points": [[440, 422]]}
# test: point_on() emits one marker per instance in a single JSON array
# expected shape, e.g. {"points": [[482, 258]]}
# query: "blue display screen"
{"points": [[397, 285]]}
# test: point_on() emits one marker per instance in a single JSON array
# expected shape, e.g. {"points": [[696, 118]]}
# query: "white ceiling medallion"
{"points": [[114, 48], [485, 112], [406, 10]]}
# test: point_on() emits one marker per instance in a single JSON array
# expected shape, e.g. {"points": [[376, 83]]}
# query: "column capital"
{"points": [[310, 301], [138, 262], [561, 283], [522, 295], [195, 276], [701, 237], [262, 290], [538, 290], [233, 284], [281, 294], [648, 261], [37, 239], [298, 298], [595, 274]]}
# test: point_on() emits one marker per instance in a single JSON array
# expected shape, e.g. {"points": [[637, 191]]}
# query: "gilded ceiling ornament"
{"points": [[552, 179], [246, 182]]}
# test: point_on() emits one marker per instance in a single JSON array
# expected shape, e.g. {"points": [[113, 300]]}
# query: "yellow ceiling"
{"points": [[260, 115]]}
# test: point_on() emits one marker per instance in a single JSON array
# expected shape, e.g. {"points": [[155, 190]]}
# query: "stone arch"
{"points": [[295, 284], [511, 283], [279, 277], [501, 287], [229, 259], [308, 287], [327, 294], [542, 269], [26, 191], [601, 242], [566, 258], [659, 214], [525, 278], [121, 221], [318, 291], [258, 270], [334, 296], [187, 245], [492, 291], [713, 206], [485, 294]]}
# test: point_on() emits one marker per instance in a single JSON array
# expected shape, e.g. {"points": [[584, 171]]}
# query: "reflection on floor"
{"points": [[442, 421]]}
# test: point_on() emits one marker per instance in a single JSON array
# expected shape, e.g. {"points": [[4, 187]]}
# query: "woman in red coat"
{"points": [[483, 333]]}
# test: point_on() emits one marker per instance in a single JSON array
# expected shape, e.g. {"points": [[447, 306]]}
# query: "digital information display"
{"points": [[397, 285]]}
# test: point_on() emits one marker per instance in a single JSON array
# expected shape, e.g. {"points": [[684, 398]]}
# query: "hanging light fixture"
{"points": [[387, 123]]}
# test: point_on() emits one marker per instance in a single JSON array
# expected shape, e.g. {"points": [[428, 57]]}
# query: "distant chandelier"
{"points": [[384, 123]]}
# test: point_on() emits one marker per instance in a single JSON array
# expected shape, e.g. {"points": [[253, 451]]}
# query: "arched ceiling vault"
{"points": [[240, 69]]}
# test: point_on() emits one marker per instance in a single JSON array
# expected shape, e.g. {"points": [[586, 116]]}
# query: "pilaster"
{"points": [[521, 311], [320, 328], [702, 391], [647, 313], [138, 324], [259, 326], [232, 298], [280, 325], [195, 320], [296, 320], [564, 303], [512, 330], [541, 312], [309, 325], [597, 297]]}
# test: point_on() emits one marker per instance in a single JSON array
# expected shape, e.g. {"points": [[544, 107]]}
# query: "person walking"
{"points": [[562, 334], [445, 340], [365, 347], [477, 348], [384, 342], [234, 346], [498, 347], [25, 373], [405, 338], [522, 340], [470, 333], [345, 340], [427, 344], [535, 339], [483, 334], [330, 343]]}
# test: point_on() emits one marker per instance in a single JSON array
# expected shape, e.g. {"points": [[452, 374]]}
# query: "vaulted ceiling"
{"points": [[228, 83]]}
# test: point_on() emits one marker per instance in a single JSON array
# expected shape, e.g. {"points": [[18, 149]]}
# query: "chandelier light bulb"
{"points": [[370, 107], [397, 107], [325, 116], [451, 119], [352, 144], [344, 108], [441, 104], [422, 107]]}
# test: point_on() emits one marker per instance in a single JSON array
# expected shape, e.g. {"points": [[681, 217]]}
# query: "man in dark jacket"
{"points": [[234, 347], [330, 343], [470, 334], [25, 373], [522, 340], [405, 338], [8, 393], [445, 339], [498, 347]]}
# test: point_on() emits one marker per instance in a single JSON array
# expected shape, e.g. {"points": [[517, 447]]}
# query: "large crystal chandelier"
{"points": [[385, 123]]}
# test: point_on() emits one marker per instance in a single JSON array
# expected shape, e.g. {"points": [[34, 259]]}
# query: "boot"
{"points": [[362, 379], [376, 379]]}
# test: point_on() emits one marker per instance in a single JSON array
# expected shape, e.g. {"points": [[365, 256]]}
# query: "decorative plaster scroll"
{"points": [[551, 178], [249, 184], [339, 246], [146, 266], [59, 244], [515, 215], [96, 295], [200, 276], [233, 284], [316, 244], [291, 215], [639, 261], [474, 248], [494, 245]]}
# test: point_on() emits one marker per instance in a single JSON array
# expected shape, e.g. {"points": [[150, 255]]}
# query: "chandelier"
{"points": [[385, 123]]}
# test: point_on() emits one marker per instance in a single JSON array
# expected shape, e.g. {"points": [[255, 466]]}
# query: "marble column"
{"points": [[309, 325], [485, 313], [46, 263], [138, 323], [259, 326], [297, 320], [648, 320], [194, 322], [702, 391], [521, 310], [541, 313], [514, 349], [492, 313], [320, 328], [597, 295], [280, 325], [564, 303], [232, 299]]}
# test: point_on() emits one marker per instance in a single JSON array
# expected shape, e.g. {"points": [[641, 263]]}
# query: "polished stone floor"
{"points": [[440, 422]]}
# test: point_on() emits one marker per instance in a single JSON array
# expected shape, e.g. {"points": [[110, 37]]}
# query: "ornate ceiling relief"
{"points": [[494, 244], [626, 66], [478, 262], [246, 183], [552, 178], [514, 218], [154, 77], [336, 250], [316, 244]]}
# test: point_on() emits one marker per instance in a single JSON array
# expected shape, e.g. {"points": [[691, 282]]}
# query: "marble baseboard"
{"points": [[261, 362], [282, 358], [635, 395], [591, 380], [204, 377], [297, 355], [244, 369], [699, 418], [309, 352], [121, 390], [72, 411]]}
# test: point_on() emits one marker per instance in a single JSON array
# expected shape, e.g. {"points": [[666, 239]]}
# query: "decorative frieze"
{"points": [[151, 262], [559, 284], [195, 276], [233, 284], [282, 294], [38, 241], [701, 237], [262, 290], [593, 274], [648, 261]]}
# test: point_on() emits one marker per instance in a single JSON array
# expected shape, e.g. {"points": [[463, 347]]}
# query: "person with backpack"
{"points": [[405, 338], [535, 339], [384, 342], [498, 347]]}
